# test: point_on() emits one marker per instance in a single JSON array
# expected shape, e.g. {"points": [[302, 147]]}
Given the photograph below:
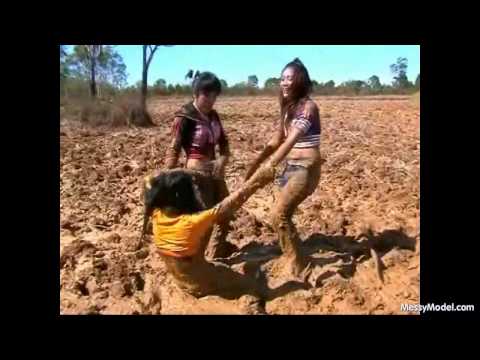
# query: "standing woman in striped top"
{"points": [[297, 138]]}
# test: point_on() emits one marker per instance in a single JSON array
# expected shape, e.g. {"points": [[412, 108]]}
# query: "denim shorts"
{"points": [[282, 179]]}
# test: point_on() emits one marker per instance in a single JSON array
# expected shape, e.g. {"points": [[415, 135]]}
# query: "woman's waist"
{"points": [[204, 165], [305, 155], [200, 150]]}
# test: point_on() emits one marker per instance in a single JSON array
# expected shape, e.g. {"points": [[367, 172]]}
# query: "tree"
{"points": [[148, 52], [239, 88], [417, 82], [329, 84], [111, 68], [84, 61], [99, 65], [186, 89], [354, 85], [272, 83], [160, 84], [63, 62], [374, 83], [399, 69], [224, 84], [171, 89], [64, 69], [252, 81]]}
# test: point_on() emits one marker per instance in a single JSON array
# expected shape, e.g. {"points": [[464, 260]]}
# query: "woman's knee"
{"points": [[279, 218]]}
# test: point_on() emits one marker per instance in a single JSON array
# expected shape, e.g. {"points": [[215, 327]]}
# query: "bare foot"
{"points": [[301, 268]]}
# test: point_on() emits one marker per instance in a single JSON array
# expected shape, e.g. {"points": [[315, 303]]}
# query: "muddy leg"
{"points": [[301, 183], [201, 278]]}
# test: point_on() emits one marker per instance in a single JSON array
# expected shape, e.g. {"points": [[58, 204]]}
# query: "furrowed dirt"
{"points": [[360, 228]]}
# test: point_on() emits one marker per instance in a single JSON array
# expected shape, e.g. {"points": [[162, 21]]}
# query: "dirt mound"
{"points": [[360, 228]]}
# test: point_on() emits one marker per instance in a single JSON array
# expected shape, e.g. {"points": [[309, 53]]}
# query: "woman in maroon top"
{"points": [[197, 130]]}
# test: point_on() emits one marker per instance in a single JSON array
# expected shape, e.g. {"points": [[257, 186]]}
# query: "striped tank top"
{"points": [[309, 127]]}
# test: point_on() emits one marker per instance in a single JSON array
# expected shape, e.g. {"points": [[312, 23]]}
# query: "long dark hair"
{"points": [[301, 88], [172, 191]]}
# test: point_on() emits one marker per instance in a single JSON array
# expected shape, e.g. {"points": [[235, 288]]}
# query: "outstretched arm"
{"points": [[278, 145], [285, 148], [272, 145], [235, 200]]}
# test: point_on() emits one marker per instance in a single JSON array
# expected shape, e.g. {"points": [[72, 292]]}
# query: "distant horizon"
{"points": [[234, 63]]}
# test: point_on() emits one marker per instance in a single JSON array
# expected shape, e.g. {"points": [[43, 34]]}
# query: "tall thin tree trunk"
{"points": [[93, 85], [143, 94]]}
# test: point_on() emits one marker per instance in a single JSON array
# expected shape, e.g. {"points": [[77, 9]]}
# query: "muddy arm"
{"points": [[272, 145], [224, 155], [286, 146], [234, 201], [174, 150]]}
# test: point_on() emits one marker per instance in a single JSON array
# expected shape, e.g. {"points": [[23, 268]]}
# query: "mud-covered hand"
{"points": [[307, 112], [218, 169], [265, 173], [235, 200]]}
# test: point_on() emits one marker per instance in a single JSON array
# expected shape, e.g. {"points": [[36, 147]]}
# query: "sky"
{"points": [[234, 63]]}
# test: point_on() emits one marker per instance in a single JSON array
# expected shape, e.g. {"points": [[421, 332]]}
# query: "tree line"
{"points": [[99, 71]]}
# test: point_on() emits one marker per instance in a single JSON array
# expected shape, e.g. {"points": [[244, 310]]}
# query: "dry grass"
{"points": [[416, 98], [125, 111]]}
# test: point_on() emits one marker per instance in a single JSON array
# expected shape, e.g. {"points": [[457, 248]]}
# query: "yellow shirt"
{"points": [[180, 235]]}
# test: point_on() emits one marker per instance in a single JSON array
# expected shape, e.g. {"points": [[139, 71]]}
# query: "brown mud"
{"points": [[366, 207]]}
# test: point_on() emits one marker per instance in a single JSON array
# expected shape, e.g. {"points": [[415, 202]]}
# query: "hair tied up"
{"points": [[298, 61]]}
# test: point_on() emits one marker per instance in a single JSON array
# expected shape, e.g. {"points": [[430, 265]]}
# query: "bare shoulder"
{"points": [[310, 105]]}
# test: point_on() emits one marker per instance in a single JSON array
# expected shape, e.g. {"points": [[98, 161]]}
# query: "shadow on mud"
{"points": [[354, 250], [343, 253], [382, 242]]}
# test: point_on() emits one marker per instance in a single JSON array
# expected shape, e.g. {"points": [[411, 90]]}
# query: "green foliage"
{"points": [[252, 81], [374, 83], [330, 84], [272, 82], [399, 69], [160, 84], [354, 86], [76, 68]]}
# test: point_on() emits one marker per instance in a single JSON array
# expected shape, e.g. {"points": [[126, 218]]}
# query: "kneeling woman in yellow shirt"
{"points": [[182, 229]]}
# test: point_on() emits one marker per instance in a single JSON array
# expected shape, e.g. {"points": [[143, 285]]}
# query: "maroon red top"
{"points": [[197, 135]]}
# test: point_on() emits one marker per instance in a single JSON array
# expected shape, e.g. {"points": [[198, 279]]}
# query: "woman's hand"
{"points": [[266, 172], [307, 112], [218, 169]]}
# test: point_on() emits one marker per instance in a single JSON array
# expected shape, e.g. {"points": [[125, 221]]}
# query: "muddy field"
{"points": [[369, 185]]}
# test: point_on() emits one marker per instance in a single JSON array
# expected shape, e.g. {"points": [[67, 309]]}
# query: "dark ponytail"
{"points": [[206, 82]]}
